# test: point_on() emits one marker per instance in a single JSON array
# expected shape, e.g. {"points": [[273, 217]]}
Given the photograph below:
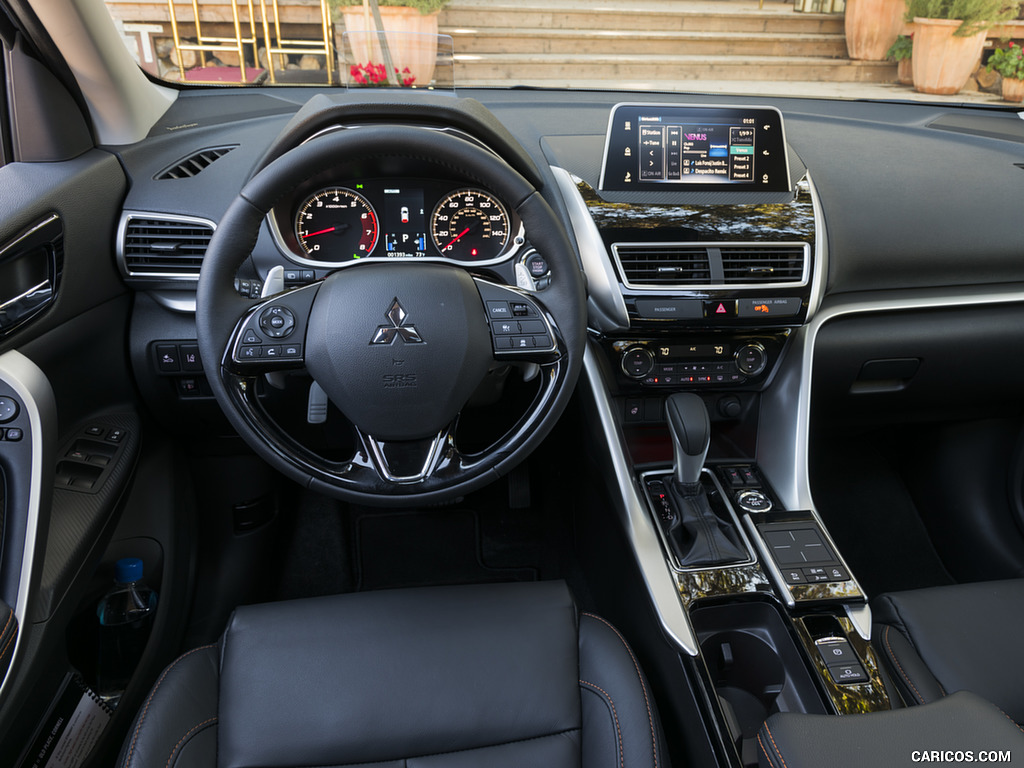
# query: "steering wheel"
{"points": [[398, 347]]}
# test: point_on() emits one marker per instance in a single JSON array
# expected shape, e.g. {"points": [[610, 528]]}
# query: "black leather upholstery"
{"points": [[490, 675], [965, 637], [954, 725]]}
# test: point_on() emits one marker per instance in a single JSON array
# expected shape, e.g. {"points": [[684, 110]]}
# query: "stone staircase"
{"points": [[664, 44]]}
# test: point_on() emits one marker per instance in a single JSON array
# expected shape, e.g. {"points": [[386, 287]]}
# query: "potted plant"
{"points": [[872, 27], [949, 37], [902, 53], [410, 29], [1009, 62]]}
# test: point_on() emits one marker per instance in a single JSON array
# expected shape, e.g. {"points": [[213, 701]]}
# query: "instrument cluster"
{"points": [[390, 218]]}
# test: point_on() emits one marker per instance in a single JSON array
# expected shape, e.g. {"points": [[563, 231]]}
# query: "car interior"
{"points": [[501, 425]]}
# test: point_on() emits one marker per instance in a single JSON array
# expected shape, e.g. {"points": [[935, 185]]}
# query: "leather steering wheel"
{"points": [[398, 347]]}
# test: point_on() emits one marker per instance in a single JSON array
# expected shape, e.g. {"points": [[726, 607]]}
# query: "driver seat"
{"points": [[442, 677]]}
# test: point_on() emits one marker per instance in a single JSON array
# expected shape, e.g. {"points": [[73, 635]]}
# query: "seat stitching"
{"points": [[149, 700], [764, 749], [640, 677], [774, 745], [1019, 728], [10, 640], [615, 718], [892, 655], [192, 731]]}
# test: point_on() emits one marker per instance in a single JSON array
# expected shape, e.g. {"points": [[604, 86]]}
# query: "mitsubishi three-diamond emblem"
{"points": [[386, 334]]}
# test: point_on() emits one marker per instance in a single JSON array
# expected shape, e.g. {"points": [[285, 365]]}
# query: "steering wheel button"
{"points": [[250, 337], [503, 342], [8, 409], [271, 351], [522, 342], [534, 327], [14, 434], [505, 328], [291, 350], [251, 352], [498, 310], [542, 342], [277, 321]]}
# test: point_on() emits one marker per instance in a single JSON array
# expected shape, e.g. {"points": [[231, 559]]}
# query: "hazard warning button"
{"points": [[720, 309]]}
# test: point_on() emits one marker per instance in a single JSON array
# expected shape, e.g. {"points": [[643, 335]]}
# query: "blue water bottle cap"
{"points": [[128, 569]]}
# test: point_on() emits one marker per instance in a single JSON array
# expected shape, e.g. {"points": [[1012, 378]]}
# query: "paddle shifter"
{"points": [[699, 537]]}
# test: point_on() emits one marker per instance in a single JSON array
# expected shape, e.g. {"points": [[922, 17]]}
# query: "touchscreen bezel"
{"points": [[767, 122]]}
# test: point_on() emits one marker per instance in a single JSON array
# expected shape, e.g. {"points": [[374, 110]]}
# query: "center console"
{"points": [[704, 247]]}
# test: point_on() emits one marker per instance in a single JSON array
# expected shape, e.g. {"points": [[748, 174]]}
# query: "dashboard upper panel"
{"points": [[913, 195]]}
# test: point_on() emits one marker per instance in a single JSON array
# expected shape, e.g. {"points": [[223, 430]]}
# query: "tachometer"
{"points": [[469, 225], [336, 225]]}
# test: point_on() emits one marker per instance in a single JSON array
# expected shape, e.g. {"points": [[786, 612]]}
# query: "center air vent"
{"points": [[195, 163], [164, 247], [689, 265]]}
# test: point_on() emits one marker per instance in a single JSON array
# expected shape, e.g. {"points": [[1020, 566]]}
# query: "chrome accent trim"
{"points": [[36, 395], [746, 494], [820, 274], [636, 520], [721, 285], [656, 105], [176, 301], [122, 230], [669, 554], [860, 617], [429, 463], [607, 308], [768, 564]]}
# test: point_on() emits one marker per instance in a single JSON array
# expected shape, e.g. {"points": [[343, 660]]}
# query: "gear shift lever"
{"points": [[699, 537], [690, 427]]}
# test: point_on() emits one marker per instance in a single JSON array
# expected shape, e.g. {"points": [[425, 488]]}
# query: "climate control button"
{"points": [[637, 362], [751, 359]]}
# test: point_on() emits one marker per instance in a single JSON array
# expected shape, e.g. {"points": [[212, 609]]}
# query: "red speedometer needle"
{"points": [[319, 232], [455, 239]]}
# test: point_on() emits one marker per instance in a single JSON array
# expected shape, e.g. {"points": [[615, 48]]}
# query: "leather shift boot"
{"points": [[699, 537]]}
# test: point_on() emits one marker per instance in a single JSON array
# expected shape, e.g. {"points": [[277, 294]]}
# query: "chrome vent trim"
{"points": [[760, 264], [162, 246], [195, 163], [710, 266]]}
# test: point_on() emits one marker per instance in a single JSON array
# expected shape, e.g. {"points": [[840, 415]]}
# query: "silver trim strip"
{"points": [[176, 301], [860, 616], [36, 395], [122, 230], [768, 564], [722, 284], [380, 461], [607, 308], [636, 520], [820, 250]]}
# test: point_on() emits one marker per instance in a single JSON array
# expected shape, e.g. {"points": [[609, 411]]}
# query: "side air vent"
{"points": [[756, 266], [195, 163], [164, 247], [692, 265], [663, 265]]}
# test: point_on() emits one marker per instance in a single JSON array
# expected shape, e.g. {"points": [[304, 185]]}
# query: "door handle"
{"points": [[30, 271]]}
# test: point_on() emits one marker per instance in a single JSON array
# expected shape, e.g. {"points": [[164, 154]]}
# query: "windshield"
{"points": [[933, 50]]}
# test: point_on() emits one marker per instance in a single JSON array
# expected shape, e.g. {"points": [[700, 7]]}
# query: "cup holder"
{"points": [[748, 673]]}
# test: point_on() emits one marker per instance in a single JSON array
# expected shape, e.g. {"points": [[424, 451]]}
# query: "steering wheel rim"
{"points": [[222, 313]]}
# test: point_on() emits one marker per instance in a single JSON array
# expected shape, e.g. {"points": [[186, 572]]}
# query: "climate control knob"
{"points": [[751, 359], [637, 362]]}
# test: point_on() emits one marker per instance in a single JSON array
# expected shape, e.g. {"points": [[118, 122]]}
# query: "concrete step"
{"points": [[626, 70], [567, 41], [670, 16]]}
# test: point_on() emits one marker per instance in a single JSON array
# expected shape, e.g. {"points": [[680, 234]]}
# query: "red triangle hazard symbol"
{"points": [[721, 310]]}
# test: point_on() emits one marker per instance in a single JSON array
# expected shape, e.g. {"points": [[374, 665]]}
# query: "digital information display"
{"points": [[661, 147]]}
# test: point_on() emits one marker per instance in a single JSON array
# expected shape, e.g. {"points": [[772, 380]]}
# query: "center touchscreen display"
{"points": [[659, 147]]}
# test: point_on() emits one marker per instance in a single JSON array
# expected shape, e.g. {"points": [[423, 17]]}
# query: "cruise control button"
{"points": [[502, 342], [542, 342], [498, 310], [535, 327], [522, 310], [504, 327], [522, 342]]}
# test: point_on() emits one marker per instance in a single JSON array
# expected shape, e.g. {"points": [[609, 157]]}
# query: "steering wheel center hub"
{"points": [[399, 348]]}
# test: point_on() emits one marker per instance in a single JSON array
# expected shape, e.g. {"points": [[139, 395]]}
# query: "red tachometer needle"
{"points": [[319, 232], [455, 239]]}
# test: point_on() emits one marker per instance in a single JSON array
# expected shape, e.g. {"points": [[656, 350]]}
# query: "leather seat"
{"points": [[489, 675], [958, 638]]}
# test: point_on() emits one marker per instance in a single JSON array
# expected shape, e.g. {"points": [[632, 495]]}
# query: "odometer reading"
{"points": [[336, 225], [469, 225]]}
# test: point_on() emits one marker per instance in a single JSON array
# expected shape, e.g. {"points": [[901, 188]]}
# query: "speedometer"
{"points": [[336, 225], [470, 225]]}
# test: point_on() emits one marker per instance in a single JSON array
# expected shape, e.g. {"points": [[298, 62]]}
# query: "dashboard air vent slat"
{"points": [[752, 265], [165, 247], [664, 265], [195, 163]]}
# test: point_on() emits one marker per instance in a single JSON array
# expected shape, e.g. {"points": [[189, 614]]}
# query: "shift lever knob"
{"points": [[690, 427]]}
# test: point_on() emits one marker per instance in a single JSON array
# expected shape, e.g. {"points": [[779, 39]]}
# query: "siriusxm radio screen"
{"points": [[663, 147]]}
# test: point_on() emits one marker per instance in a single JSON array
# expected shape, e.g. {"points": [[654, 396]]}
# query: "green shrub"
{"points": [[902, 49], [1008, 62], [977, 15]]}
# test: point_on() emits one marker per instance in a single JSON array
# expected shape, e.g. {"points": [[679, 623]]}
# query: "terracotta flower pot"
{"points": [[1013, 90], [411, 38], [943, 62], [872, 27], [905, 71]]}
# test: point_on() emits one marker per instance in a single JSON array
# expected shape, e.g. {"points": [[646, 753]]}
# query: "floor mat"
{"points": [[872, 518]]}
